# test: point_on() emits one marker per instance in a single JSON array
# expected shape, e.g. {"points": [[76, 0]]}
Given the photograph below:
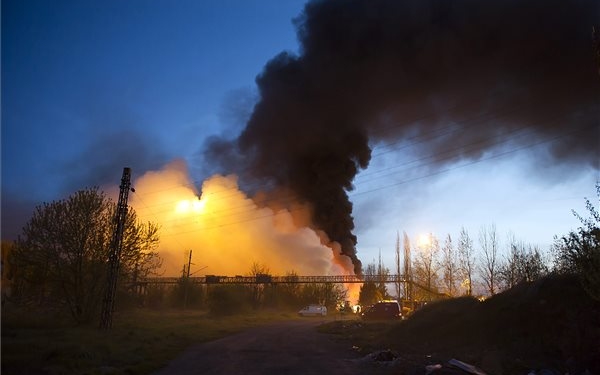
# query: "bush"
{"points": [[229, 300], [579, 251]]}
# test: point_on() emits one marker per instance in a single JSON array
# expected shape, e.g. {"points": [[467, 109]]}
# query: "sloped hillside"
{"points": [[550, 326], [551, 323]]}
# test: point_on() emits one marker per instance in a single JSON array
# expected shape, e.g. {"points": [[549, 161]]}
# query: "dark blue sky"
{"points": [[76, 72], [89, 87]]}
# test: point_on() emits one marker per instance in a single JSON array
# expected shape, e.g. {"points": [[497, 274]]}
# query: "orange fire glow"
{"points": [[226, 231], [187, 206]]}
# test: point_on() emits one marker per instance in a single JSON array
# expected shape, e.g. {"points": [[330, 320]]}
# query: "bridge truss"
{"points": [[274, 280], [270, 279]]}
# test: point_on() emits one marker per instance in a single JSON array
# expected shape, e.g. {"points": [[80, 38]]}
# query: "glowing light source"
{"points": [[222, 218], [424, 240], [187, 206]]}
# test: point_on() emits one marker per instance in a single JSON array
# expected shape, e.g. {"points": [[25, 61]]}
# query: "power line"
{"points": [[387, 186], [433, 159], [455, 129], [457, 126]]}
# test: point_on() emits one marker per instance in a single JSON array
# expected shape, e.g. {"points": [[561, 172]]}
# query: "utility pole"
{"points": [[398, 270], [407, 269], [114, 258], [187, 281]]}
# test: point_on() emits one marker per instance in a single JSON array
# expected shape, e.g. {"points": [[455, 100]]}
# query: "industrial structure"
{"points": [[142, 285], [114, 258]]}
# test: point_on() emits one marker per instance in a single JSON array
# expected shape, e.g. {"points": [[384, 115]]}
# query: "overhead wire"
{"points": [[251, 205], [431, 174], [457, 127], [155, 217], [392, 126], [437, 172]]}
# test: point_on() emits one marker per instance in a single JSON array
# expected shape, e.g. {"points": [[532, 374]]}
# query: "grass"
{"points": [[140, 341], [551, 323]]}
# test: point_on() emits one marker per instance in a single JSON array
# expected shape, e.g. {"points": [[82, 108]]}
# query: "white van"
{"points": [[313, 310]]}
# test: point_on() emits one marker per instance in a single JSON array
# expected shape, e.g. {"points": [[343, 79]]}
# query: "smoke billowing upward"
{"points": [[371, 71], [227, 230]]}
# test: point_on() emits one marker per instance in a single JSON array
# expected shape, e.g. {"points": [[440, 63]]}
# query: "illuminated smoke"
{"points": [[376, 71], [225, 229]]}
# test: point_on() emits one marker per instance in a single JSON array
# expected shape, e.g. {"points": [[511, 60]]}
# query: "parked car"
{"points": [[383, 310], [313, 310]]}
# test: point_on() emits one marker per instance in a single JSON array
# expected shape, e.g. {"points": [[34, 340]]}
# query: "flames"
{"points": [[227, 231]]}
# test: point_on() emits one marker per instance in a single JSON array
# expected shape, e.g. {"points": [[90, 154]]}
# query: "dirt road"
{"points": [[287, 348]]}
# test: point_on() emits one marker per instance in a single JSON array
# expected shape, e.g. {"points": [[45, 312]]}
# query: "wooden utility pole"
{"points": [[398, 283], [408, 293], [114, 258], [187, 281]]}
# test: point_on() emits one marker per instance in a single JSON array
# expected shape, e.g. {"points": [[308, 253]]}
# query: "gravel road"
{"points": [[285, 348]]}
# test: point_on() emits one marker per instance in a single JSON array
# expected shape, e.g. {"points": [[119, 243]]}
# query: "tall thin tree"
{"points": [[466, 260], [398, 283], [488, 240], [408, 295], [449, 266], [426, 264]]}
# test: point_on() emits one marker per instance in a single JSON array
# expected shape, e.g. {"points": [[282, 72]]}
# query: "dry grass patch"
{"points": [[139, 342]]}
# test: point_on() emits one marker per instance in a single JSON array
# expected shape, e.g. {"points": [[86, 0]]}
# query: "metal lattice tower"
{"points": [[114, 258]]}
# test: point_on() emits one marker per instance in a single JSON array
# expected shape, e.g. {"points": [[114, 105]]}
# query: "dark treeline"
{"points": [[240, 298], [59, 265]]}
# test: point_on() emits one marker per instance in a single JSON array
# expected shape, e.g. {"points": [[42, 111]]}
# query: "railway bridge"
{"points": [[270, 279], [290, 279]]}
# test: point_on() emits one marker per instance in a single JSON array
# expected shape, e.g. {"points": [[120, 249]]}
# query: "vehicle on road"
{"points": [[383, 310], [313, 310]]}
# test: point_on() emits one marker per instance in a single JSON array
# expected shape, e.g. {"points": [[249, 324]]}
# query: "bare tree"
{"points": [[488, 240], [425, 270], [370, 291], [508, 270], [258, 270], [533, 265], [466, 260], [289, 292], [64, 250], [398, 284], [449, 266], [524, 262], [382, 270]]}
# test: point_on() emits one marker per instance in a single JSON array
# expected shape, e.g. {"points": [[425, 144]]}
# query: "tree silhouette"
{"points": [[63, 251], [488, 240], [579, 251], [466, 259], [449, 266], [371, 291], [523, 263], [425, 270]]}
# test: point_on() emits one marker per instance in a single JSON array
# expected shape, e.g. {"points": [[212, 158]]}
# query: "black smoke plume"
{"points": [[380, 70]]}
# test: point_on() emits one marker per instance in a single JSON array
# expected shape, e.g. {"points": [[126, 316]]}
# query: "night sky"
{"points": [[385, 116]]}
